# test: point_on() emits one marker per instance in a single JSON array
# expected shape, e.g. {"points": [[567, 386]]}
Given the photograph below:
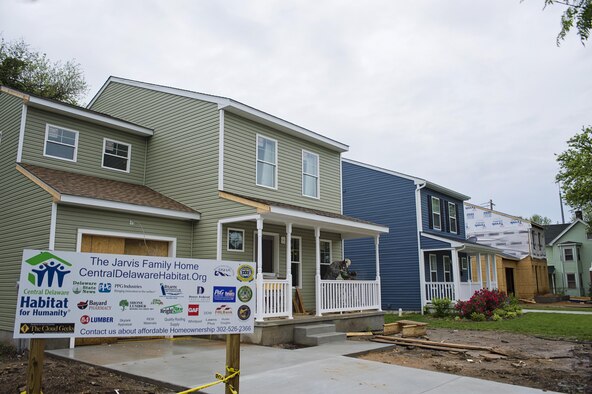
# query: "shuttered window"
{"points": [[452, 221], [436, 214]]}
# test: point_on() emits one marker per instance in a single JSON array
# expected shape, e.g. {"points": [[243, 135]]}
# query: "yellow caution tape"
{"points": [[221, 379]]}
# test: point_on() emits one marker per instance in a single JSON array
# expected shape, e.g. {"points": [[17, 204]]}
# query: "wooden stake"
{"points": [[35, 368], [232, 361]]}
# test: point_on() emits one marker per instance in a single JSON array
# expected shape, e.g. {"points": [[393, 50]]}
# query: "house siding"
{"points": [[90, 147], [389, 201], [26, 211], [425, 194]]}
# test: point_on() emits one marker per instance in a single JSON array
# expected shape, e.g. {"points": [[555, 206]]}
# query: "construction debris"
{"points": [[359, 334], [407, 328]]}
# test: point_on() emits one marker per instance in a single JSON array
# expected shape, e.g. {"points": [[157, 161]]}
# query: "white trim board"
{"points": [[21, 140]]}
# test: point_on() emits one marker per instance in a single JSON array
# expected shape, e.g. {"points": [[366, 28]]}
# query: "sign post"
{"points": [[35, 367], [232, 362]]}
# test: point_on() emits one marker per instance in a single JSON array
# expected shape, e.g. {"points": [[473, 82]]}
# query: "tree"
{"points": [[578, 12], [575, 171], [32, 72], [542, 220]]}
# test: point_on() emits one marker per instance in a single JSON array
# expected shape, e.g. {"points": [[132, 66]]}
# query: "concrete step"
{"points": [[319, 339], [311, 329]]}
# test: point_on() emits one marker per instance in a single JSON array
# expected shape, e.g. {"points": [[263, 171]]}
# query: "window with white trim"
{"points": [[266, 162], [436, 215], [310, 174], [296, 261], [116, 155], [326, 255], [60, 143], [464, 264], [571, 281], [433, 268], [569, 254], [452, 223], [235, 240], [447, 269]]}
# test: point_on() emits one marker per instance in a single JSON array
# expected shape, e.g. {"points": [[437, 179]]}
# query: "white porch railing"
{"points": [[440, 290], [349, 295], [467, 289], [275, 298]]}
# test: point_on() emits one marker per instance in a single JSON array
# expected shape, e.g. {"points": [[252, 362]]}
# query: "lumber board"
{"points": [[432, 343], [359, 334]]}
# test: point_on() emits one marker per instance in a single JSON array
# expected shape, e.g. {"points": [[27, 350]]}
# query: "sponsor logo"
{"points": [[223, 270], [245, 294], [104, 287], [201, 297], [46, 328], [82, 305], [224, 310], [94, 305], [43, 302], [84, 287], [245, 273], [171, 309], [244, 312], [123, 304], [170, 290], [137, 305], [85, 319], [200, 290], [156, 301], [224, 294], [47, 268], [193, 310]]}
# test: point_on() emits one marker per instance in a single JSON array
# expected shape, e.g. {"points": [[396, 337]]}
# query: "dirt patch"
{"points": [[555, 365], [64, 376]]}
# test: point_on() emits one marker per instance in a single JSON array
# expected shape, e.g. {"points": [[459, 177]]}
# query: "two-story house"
{"points": [[522, 267], [425, 255]]}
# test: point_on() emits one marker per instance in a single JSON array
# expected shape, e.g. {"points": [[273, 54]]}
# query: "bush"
{"points": [[496, 317], [441, 307], [478, 316], [483, 302]]}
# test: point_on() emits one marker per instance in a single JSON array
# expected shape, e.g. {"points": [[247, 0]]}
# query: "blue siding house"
{"points": [[425, 255]]}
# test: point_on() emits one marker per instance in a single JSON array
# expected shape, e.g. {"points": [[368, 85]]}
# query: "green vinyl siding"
{"points": [[90, 147], [240, 145], [70, 219], [26, 211]]}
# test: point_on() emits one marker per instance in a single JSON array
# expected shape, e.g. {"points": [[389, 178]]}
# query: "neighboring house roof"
{"points": [[418, 181], [78, 189], [455, 242], [508, 256], [235, 107], [555, 231], [507, 215], [77, 112]]}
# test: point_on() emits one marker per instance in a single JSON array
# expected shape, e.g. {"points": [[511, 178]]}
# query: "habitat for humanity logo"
{"points": [[47, 266], [224, 294]]}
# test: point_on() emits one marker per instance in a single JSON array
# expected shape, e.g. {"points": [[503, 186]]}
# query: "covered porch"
{"points": [[293, 248]]}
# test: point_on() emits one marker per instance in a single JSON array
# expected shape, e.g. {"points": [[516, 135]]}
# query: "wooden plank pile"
{"points": [[407, 328]]}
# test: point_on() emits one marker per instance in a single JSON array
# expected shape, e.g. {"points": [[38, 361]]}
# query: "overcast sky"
{"points": [[473, 95]]}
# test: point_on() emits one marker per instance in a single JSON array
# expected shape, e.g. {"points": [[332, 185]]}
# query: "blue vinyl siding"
{"points": [[388, 200], [428, 243], [444, 199], [440, 265]]}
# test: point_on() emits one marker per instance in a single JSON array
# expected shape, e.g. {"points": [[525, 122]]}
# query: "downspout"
{"points": [[418, 218]]}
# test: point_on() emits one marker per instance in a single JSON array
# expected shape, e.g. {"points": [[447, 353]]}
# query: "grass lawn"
{"points": [[542, 324]]}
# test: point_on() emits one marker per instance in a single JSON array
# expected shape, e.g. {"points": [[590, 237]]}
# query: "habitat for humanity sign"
{"points": [[67, 294]]}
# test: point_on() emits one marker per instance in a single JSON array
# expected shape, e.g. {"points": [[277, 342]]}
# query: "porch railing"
{"points": [[275, 298], [349, 295], [467, 289], [440, 290]]}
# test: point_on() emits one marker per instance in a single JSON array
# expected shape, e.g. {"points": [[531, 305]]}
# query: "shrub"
{"points": [[483, 302], [496, 317], [441, 306], [475, 316]]}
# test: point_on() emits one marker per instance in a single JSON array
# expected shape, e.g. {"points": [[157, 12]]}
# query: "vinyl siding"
{"points": [[26, 211], [389, 201], [70, 219], [425, 212], [429, 243], [90, 147], [240, 162]]}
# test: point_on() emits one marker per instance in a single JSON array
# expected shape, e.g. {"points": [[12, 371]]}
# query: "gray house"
{"points": [[153, 170]]}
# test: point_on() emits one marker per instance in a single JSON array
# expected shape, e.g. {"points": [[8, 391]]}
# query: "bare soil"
{"points": [[555, 365]]}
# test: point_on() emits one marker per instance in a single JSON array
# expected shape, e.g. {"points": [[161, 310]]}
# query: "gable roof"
{"points": [[74, 111], [236, 107], [85, 190], [556, 231], [418, 181]]}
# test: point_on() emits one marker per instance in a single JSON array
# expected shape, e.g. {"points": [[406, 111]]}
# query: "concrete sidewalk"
{"points": [[190, 362], [557, 311]]}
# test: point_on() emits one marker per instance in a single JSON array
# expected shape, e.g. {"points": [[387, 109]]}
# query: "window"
{"points": [[571, 281], [433, 268], [60, 143], [464, 264], [116, 155], [452, 217], [568, 253], [326, 256], [436, 216], [310, 174], [236, 240], [447, 269], [266, 162], [296, 252]]}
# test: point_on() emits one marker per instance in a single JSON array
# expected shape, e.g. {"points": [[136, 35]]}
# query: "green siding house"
{"points": [[569, 256], [154, 170]]}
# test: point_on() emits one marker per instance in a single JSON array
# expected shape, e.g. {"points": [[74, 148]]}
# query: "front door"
{"points": [[510, 281]]}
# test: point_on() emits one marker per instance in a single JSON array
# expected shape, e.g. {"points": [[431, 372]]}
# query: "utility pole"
{"points": [[561, 204]]}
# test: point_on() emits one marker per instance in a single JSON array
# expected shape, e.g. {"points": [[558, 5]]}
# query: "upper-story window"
{"points": [[116, 155], [60, 143], [310, 174], [266, 162], [569, 254], [452, 223], [436, 215]]}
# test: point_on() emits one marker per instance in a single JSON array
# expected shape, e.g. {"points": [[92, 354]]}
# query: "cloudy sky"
{"points": [[471, 94]]}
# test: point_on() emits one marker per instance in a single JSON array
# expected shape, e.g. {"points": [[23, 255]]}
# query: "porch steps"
{"points": [[317, 334]]}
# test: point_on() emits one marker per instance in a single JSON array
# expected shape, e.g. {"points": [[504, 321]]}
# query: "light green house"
{"points": [[153, 170], [569, 256]]}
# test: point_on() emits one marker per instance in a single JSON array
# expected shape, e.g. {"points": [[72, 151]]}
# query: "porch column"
{"points": [[470, 274], [219, 242], [495, 271], [376, 247], [318, 297], [488, 271], [456, 274], [480, 270], [289, 268], [260, 293]]}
